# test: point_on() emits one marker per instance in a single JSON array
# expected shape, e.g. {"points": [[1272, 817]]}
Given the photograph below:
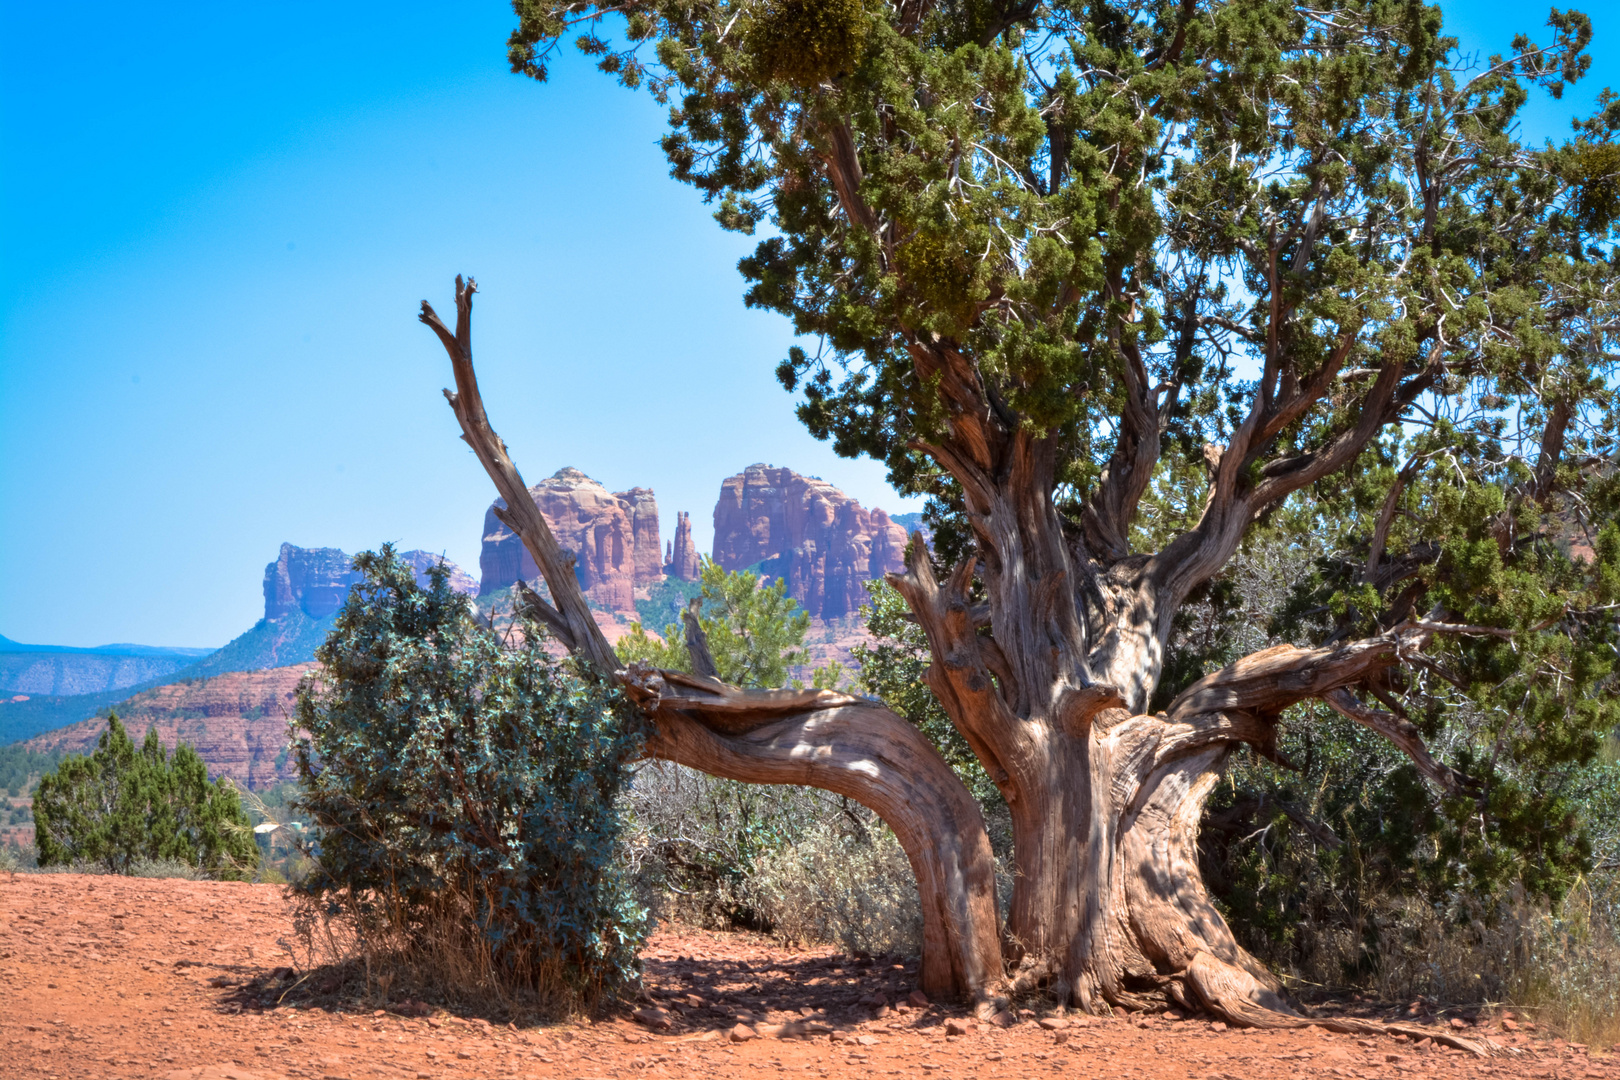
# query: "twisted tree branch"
{"points": [[583, 637]]}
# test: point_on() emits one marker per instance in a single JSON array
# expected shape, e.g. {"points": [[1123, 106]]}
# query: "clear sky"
{"points": [[216, 222]]}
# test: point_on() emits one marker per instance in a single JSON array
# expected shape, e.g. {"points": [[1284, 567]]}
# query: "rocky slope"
{"points": [[613, 536], [824, 543], [237, 722]]}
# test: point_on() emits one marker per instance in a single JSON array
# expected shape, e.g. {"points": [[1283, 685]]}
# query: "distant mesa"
{"points": [[823, 543], [306, 581], [238, 723], [804, 530], [314, 581], [303, 590], [613, 537]]}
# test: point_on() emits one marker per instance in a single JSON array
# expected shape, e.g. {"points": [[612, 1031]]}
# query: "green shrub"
{"points": [[755, 631], [460, 790], [119, 808]]}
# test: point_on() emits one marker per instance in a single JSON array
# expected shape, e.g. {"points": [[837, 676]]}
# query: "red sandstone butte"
{"points": [[824, 543], [613, 537]]}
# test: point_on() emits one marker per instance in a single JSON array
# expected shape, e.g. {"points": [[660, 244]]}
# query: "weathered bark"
{"points": [[1046, 650]]}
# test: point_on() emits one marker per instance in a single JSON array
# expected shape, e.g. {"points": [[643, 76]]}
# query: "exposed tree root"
{"points": [[1239, 998]]}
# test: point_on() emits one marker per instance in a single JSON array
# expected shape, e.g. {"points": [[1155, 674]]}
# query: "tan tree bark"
{"points": [[1046, 650]]}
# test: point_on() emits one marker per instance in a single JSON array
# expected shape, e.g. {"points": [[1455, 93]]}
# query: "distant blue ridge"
{"points": [[292, 639], [8, 645]]}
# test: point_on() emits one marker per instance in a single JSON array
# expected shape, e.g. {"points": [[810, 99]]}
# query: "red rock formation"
{"points": [[237, 722], [422, 561], [682, 561], [311, 580], [315, 581], [643, 510], [614, 539], [825, 544]]}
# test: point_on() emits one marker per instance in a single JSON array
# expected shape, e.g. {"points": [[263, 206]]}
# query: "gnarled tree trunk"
{"points": [[1046, 650]]}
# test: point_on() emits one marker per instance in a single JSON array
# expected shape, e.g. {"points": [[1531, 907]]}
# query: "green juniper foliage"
{"points": [[756, 631], [123, 804], [1148, 231], [460, 785]]}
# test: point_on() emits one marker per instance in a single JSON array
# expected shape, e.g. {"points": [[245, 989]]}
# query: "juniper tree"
{"points": [[121, 804], [753, 630], [1114, 285]]}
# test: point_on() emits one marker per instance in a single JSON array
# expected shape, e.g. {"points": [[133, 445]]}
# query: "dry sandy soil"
{"points": [[119, 977]]}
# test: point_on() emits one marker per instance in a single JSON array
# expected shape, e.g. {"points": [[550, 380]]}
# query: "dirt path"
{"points": [[120, 977]]}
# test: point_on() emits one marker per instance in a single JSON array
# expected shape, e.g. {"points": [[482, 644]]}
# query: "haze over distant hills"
{"points": [[9, 646], [51, 669]]}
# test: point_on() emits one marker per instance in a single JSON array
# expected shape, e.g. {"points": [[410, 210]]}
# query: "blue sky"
{"points": [[215, 224]]}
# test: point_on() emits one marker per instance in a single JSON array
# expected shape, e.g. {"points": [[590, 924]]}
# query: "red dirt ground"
{"points": [[125, 977]]}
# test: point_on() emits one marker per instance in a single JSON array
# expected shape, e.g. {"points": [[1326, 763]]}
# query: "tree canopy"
{"points": [[1127, 289], [1187, 264], [755, 631]]}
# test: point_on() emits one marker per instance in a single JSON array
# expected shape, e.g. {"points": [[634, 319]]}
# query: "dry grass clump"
{"points": [[381, 951], [801, 864], [1557, 964], [1566, 969], [834, 886]]}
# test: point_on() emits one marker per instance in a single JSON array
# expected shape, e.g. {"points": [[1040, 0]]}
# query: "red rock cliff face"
{"points": [[825, 544], [644, 548], [614, 538], [237, 722], [311, 580], [316, 580]]}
